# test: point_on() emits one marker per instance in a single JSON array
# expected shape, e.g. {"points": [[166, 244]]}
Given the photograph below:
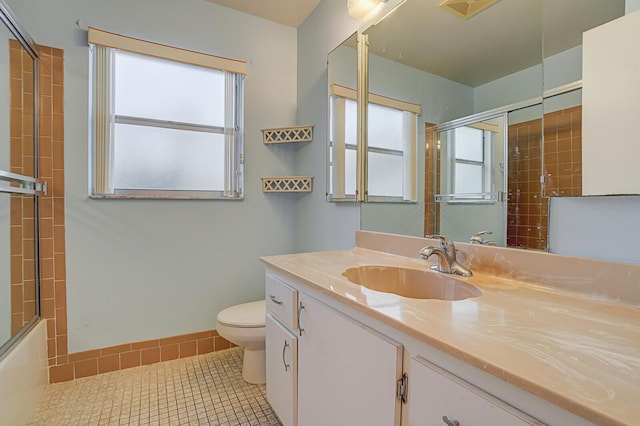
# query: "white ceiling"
{"points": [[288, 12]]}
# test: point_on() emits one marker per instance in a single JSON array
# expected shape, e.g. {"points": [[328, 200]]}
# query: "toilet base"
{"points": [[254, 366]]}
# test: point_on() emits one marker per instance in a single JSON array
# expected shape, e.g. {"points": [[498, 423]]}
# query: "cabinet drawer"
{"points": [[282, 302], [437, 397]]}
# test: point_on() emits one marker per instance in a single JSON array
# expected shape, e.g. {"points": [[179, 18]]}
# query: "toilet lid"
{"points": [[246, 315]]}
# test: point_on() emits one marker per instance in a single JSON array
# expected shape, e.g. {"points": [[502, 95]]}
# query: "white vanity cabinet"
{"points": [[325, 368], [335, 365], [281, 346], [347, 372], [436, 397]]}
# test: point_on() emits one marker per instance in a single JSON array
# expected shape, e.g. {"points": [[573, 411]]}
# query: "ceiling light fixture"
{"points": [[465, 9], [361, 8]]}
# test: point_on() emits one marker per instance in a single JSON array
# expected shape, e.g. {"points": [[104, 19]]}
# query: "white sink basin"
{"points": [[412, 283]]}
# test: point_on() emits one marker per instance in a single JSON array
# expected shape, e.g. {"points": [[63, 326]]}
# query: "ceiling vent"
{"points": [[465, 9]]}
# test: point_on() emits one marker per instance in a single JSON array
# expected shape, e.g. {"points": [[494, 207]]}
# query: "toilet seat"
{"points": [[246, 315]]}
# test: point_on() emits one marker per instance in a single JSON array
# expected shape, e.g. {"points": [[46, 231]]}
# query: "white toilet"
{"points": [[243, 325]]}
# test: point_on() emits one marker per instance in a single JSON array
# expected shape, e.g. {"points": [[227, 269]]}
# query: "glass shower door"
{"points": [[19, 183]]}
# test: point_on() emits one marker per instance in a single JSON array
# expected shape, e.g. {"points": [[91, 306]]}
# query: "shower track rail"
{"points": [[14, 183]]}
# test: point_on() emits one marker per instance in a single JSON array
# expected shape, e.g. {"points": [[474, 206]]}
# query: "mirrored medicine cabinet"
{"points": [[497, 109]]}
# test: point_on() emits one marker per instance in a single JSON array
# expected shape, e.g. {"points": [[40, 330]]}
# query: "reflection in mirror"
{"points": [[563, 24], [466, 73], [471, 182], [391, 149], [562, 146], [453, 70], [342, 72], [527, 210]]}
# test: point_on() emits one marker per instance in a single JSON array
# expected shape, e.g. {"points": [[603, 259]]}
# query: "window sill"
{"points": [[161, 197]]}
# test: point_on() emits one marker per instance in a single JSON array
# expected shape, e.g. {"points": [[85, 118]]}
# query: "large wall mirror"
{"points": [[342, 73], [486, 87], [19, 186]]}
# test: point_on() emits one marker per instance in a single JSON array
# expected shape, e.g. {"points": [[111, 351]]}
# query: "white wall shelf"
{"points": [[287, 184], [287, 134]]}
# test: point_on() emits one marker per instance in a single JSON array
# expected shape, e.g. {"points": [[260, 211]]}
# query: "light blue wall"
{"points": [[631, 6], [139, 269], [320, 225], [520, 86]]}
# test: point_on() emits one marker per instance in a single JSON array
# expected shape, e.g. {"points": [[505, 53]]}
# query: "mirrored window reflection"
{"points": [[342, 74], [390, 138], [342, 145], [469, 170]]}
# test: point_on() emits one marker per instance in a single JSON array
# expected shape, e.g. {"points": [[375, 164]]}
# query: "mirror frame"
{"points": [[361, 97]]}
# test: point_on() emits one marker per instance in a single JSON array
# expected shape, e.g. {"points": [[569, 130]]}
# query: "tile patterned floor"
{"points": [[200, 390]]}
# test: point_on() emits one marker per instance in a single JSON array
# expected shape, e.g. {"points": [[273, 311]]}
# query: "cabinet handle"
{"points": [[284, 361], [300, 309], [453, 422], [275, 299]]}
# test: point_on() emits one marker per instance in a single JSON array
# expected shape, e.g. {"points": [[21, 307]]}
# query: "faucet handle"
{"points": [[442, 238], [479, 238], [445, 243]]}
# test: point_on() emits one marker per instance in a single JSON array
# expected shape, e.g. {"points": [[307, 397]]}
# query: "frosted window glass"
{"points": [[155, 158], [468, 178], [165, 90], [385, 175], [469, 144], [350, 171], [385, 128], [351, 121]]}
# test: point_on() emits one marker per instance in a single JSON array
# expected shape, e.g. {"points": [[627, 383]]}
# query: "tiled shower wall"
{"points": [[62, 365], [527, 209], [528, 212], [22, 247], [563, 152]]}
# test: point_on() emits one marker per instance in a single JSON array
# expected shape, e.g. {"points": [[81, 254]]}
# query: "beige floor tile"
{"points": [[200, 390]]}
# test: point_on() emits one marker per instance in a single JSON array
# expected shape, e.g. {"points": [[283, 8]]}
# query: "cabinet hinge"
{"points": [[403, 388]]}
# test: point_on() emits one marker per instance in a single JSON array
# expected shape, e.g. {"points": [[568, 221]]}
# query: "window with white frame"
{"points": [[472, 157], [166, 122], [391, 151]]}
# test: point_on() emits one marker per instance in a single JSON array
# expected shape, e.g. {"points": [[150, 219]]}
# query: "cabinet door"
{"points": [[437, 397], [281, 354], [347, 373], [610, 108]]}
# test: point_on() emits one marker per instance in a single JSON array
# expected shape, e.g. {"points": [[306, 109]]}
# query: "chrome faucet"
{"points": [[479, 239], [446, 253]]}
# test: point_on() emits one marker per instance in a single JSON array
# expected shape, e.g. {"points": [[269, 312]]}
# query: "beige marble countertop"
{"points": [[578, 352]]}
